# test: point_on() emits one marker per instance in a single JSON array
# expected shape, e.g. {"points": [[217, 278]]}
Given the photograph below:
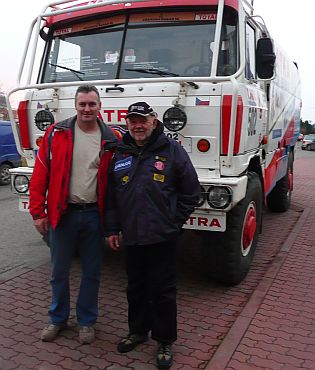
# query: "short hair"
{"points": [[86, 89]]}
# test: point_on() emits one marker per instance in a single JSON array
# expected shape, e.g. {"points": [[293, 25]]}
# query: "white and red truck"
{"points": [[219, 83]]}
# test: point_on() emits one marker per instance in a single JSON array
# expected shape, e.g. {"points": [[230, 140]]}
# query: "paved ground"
{"points": [[266, 322], [276, 329]]}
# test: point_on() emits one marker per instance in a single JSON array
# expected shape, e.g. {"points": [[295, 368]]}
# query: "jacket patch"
{"points": [[158, 177], [163, 159], [123, 164], [159, 165], [124, 180]]}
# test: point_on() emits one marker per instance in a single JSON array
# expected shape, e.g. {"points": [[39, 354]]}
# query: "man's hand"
{"points": [[41, 225], [114, 242]]}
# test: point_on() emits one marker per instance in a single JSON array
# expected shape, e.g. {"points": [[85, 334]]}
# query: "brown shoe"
{"points": [[50, 332], [86, 334]]}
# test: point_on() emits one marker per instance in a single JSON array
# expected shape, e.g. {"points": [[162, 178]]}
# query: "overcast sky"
{"points": [[290, 23]]}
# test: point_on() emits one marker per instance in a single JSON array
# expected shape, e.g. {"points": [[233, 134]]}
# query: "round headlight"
{"points": [[43, 119], [202, 196], [21, 183], [174, 119], [219, 197]]}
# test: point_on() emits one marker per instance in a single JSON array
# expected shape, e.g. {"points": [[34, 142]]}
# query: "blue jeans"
{"points": [[78, 231]]}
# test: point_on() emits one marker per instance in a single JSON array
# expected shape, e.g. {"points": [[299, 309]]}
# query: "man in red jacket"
{"points": [[67, 202]]}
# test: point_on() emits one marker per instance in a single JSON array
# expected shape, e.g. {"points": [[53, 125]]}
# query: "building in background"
{"points": [[4, 115]]}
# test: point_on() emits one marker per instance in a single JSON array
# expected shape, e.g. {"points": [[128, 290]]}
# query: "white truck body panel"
{"points": [[252, 114]]}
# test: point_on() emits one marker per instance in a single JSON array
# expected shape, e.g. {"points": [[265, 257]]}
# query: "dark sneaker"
{"points": [[86, 334], [131, 342], [164, 358], [51, 332]]}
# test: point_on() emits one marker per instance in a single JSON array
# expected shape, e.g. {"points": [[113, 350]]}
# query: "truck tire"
{"points": [[5, 174], [230, 253], [279, 199]]}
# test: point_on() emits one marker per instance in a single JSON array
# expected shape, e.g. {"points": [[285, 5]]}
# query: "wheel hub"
{"points": [[5, 174], [249, 227]]}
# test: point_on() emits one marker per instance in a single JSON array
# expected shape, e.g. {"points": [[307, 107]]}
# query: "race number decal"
{"points": [[182, 140]]}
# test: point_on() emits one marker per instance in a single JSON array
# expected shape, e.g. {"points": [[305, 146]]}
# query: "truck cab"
{"points": [[220, 84]]}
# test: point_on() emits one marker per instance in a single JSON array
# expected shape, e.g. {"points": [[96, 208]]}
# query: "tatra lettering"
{"points": [[204, 222]]}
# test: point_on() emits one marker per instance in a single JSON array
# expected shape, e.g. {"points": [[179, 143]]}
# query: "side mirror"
{"points": [[265, 58]]}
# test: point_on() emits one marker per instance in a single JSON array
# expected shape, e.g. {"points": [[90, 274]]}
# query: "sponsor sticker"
{"points": [[172, 17], [62, 31], [123, 164], [120, 129], [206, 17], [111, 57], [276, 133], [130, 56]]}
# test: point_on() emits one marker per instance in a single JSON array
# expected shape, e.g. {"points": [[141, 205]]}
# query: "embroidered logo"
{"points": [[159, 165], [123, 164], [158, 177], [124, 180], [163, 159]]}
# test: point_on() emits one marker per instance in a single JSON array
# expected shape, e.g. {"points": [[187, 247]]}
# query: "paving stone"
{"points": [[263, 323]]}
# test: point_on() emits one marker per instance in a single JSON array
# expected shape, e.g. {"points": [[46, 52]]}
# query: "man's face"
{"points": [[87, 106], [141, 128]]}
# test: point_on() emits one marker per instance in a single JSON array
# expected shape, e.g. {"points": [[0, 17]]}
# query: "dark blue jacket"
{"points": [[152, 190]]}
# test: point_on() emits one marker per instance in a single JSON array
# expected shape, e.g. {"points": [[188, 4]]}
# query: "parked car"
{"points": [[308, 142], [9, 156]]}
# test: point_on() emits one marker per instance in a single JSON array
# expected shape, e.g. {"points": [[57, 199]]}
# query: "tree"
{"points": [[306, 128], [3, 103], [3, 106]]}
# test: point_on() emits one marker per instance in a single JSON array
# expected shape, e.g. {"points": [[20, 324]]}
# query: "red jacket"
{"points": [[51, 175]]}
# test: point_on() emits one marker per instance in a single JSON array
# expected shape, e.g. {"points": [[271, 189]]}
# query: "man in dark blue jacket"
{"points": [[153, 190]]}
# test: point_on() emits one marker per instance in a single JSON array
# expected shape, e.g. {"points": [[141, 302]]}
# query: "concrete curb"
{"points": [[12, 274], [224, 353]]}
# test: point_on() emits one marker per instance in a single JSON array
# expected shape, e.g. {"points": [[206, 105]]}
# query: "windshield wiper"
{"points": [[76, 73], [153, 71], [159, 72]]}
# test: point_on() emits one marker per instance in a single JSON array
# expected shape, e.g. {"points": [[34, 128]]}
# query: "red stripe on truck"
{"points": [[226, 121], [23, 124]]}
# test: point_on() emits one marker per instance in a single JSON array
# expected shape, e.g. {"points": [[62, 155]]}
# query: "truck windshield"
{"points": [[141, 45]]}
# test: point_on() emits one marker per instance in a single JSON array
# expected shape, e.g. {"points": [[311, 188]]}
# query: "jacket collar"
{"points": [[106, 133]]}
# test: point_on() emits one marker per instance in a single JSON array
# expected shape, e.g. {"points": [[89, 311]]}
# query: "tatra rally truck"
{"points": [[222, 87]]}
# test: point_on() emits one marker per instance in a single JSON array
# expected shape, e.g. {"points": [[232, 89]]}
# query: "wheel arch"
{"points": [[228, 261], [255, 166], [7, 162]]}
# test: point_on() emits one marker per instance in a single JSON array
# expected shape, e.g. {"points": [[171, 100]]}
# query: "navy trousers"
{"points": [[151, 291]]}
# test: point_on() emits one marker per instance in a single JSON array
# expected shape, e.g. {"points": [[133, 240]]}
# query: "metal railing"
{"points": [[211, 79]]}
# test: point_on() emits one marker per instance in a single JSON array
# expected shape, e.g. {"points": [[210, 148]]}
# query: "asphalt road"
{"points": [[299, 153], [20, 244]]}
